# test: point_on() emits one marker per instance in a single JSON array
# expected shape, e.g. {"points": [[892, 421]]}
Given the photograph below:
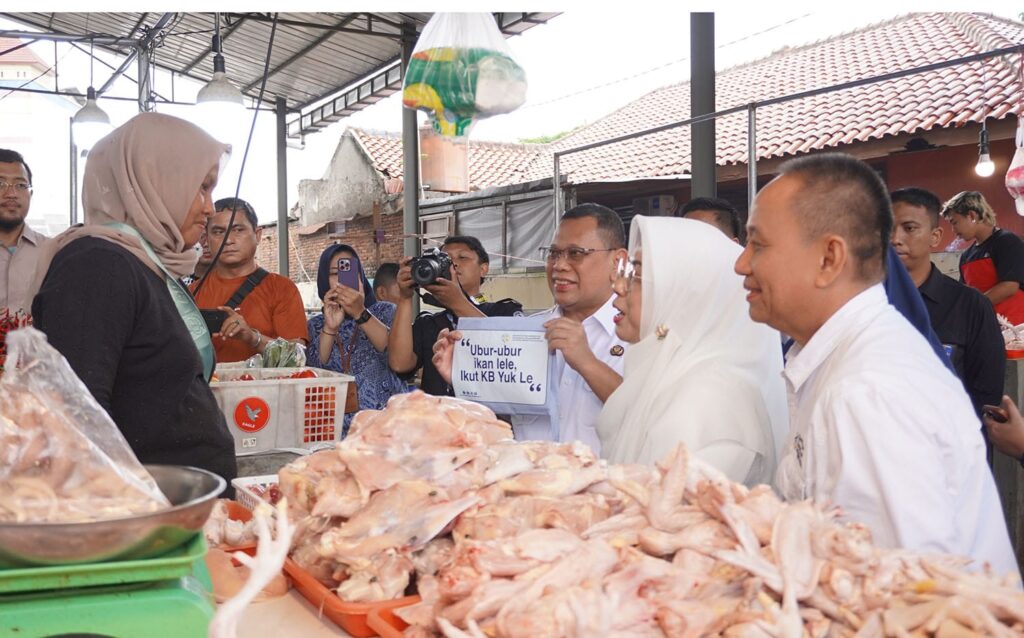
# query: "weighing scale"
{"points": [[163, 597]]}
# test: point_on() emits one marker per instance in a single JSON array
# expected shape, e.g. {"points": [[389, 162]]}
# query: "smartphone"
{"points": [[997, 414], [214, 319], [348, 273]]}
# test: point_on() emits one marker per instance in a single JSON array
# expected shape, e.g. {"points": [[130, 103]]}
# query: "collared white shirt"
{"points": [[578, 406], [882, 429], [17, 270]]}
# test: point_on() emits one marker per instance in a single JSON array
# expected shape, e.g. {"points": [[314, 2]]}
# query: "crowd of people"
{"points": [[815, 348]]}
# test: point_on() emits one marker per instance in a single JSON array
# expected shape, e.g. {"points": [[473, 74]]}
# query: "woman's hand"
{"points": [[235, 327], [444, 350], [351, 301], [334, 314]]}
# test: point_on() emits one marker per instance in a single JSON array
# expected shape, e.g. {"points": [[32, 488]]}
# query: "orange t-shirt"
{"points": [[274, 308]]}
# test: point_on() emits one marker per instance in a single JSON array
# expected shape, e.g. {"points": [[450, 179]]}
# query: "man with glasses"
{"points": [[589, 244], [260, 306], [20, 243]]}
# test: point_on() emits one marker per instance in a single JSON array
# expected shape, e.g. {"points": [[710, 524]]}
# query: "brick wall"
{"points": [[306, 248]]}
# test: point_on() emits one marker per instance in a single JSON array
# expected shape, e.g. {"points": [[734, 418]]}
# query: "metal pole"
{"points": [[281, 106], [410, 157], [145, 80], [702, 101], [751, 156], [74, 172], [557, 186]]}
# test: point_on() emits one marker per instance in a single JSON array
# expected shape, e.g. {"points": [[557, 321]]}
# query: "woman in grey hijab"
{"points": [[109, 298]]}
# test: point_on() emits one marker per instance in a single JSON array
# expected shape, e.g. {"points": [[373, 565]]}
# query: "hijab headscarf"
{"points": [[145, 174], [323, 273], [714, 380]]}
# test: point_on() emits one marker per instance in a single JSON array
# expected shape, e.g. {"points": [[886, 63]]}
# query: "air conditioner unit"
{"points": [[664, 205]]}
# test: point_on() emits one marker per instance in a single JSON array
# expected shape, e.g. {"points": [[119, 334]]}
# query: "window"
{"points": [[435, 228]]}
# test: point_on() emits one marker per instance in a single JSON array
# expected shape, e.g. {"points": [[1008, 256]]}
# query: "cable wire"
{"points": [[245, 155]]}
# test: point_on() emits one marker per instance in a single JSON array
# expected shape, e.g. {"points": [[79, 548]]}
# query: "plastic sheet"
{"points": [[62, 458], [279, 353], [462, 70]]}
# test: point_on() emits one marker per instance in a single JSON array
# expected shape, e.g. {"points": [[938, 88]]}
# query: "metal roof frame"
{"points": [[326, 65]]}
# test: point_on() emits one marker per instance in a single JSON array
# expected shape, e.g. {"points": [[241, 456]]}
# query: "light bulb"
{"points": [[985, 166], [90, 124]]}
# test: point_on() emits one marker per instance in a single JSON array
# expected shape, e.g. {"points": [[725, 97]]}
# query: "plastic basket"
{"points": [[274, 411], [352, 617], [384, 621], [249, 490]]}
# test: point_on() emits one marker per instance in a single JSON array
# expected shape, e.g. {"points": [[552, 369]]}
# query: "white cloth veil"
{"points": [[714, 381]]}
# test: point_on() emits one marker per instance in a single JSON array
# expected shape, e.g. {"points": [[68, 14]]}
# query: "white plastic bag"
{"points": [[62, 459], [461, 71]]}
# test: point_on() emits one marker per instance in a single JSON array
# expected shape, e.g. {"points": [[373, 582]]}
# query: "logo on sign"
{"points": [[252, 414]]}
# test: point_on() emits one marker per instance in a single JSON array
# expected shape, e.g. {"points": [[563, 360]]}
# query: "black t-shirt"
{"points": [[424, 333], [966, 325], [1005, 249], [113, 319]]}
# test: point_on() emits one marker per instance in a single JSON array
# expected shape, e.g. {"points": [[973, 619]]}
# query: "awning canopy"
{"points": [[326, 65]]}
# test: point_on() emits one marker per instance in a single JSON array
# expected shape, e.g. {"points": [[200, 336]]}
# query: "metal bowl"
{"points": [[190, 490]]}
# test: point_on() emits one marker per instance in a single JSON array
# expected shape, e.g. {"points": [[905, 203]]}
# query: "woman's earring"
{"points": [[661, 331]]}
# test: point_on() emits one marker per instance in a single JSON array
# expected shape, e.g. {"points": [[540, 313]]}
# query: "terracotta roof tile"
{"points": [[952, 96]]}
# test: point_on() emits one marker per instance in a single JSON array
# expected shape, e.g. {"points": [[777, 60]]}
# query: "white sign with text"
{"points": [[503, 362]]}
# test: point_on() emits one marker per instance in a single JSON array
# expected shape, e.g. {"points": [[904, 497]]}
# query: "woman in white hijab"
{"points": [[109, 298], [700, 371]]}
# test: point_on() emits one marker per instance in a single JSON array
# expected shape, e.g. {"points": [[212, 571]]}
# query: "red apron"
{"points": [[981, 274]]}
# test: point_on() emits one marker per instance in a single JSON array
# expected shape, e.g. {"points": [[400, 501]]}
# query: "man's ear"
{"points": [[484, 269], [833, 259], [936, 237], [259, 234]]}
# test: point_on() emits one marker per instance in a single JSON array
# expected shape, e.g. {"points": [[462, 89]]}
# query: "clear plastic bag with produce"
{"points": [[279, 353], [461, 71], [62, 459]]}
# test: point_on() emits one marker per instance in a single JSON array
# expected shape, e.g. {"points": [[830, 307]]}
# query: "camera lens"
{"points": [[424, 272]]}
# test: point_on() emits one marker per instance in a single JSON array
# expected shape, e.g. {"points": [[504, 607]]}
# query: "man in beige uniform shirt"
{"points": [[19, 244]]}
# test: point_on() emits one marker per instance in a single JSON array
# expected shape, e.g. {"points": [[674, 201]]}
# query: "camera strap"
{"points": [[254, 279]]}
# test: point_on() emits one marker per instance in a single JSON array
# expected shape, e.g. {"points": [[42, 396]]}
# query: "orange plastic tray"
{"points": [[352, 617], [384, 621]]}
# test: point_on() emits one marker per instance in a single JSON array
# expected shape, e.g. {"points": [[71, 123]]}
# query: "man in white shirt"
{"points": [[580, 262], [19, 244], [879, 426]]}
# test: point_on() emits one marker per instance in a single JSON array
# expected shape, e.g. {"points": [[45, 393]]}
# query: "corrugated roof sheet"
{"points": [[315, 55]]}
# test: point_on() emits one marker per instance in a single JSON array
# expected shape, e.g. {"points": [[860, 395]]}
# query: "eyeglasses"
{"points": [[19, 187], [627, 271], [573, 255]]}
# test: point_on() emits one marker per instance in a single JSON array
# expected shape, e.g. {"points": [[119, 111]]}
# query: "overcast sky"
{"points": [[580, 66]]}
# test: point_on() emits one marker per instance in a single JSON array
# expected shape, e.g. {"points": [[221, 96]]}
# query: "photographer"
{"points": [[410, 344]]}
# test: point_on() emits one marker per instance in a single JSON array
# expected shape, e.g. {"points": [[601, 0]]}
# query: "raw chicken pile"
{"points": [[543, 539], [50, 472]]}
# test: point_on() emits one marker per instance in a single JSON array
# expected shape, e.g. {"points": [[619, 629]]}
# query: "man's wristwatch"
{"points": [[363, 318]]}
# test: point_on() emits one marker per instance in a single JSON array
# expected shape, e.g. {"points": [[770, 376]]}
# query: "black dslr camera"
{"points": [[433, 265]]}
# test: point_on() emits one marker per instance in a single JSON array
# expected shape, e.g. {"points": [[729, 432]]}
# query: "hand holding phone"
{"points": [[995, 413], [348, 273], [214, 319]]}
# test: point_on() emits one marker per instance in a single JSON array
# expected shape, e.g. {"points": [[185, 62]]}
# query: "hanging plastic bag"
{"points": [[461, 71], [62, 459], [1015, 176]]}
